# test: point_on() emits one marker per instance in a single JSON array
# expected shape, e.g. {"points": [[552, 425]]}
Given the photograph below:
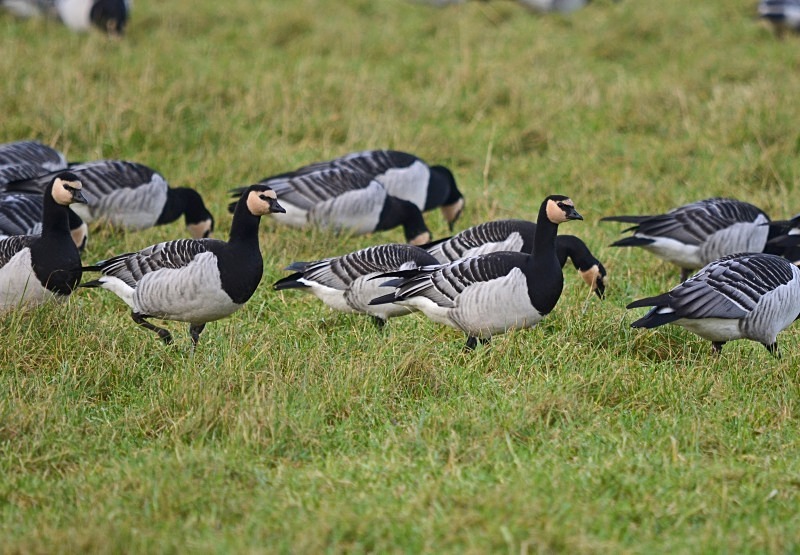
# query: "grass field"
{"points": [[294, 429]]}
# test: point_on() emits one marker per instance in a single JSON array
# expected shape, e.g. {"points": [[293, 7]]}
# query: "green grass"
{"points": [[294, 429]]}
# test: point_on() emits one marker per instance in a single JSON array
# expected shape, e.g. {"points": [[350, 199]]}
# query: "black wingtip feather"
{"points": [[383, 299], [632, 242], [289, 282], [625, 219]]}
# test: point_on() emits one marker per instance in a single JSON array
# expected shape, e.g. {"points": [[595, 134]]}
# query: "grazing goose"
{"points": [[741, 296], [783, 15], [192, 280], [37, 268], [344, 282], [344, 200], [695, 234], [405, 176], [517, 236], [133, 196], [32, 153], [21, 214], [110, 16], [491, 293]]}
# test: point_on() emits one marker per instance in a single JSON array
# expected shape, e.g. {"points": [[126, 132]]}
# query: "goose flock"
{"points": [[486, 280]]}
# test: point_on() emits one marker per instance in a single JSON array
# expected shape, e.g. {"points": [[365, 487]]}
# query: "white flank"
{"points": [[409, 183], [19, 285], [294, 216], [192, 293], [75, 13], [357, 211], [680, 254], [495, 306], [129, 208], [740, 237], [332, 297]]}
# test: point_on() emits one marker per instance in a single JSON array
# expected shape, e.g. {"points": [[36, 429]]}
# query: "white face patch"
{"points": [[200, 230], [60, 192], [257, 205], [452, 211], [591, 276], [554, 213]]}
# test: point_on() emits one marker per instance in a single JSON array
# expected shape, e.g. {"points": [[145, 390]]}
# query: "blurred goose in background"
{"points": [[132, 196], [21, 214], [405, 176], [192, 280], [38, 268], [783, 15], [742, 296], [343, 199], [517, 236], [563, 6], [345, 283], [32, 153], [492, 293], [695, 234], [110, 16]]}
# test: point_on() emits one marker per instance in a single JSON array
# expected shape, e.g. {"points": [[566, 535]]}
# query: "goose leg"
{"points": [[165, 336], [716, 346], [194, 331], [684, 274], [472, 342], [773, 349], [379, 322]]}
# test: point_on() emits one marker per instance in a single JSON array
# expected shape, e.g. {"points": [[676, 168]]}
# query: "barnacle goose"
{"points": [[110, 16], [192, 280], [695, 234], [21, 214], [491, 293], [741, 296], [405, 176], [781, 14], [517, 236], [133, 196], [344, 282], [32, 153], [37, 268], [344, 199]]}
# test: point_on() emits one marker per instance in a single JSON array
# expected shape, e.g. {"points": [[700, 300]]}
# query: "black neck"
{"points": [[402, 212], [55, 217], [183, 201], [544, 242], [442, 189], [244, 228], [572, 247]]}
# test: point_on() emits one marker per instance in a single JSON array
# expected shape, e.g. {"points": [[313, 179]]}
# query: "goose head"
{"points": [[596, 278], [110, 16], [66, 189], [560, 209], [262, 200]]}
